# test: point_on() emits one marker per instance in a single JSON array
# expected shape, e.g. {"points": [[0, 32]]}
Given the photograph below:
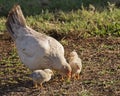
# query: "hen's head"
{"points": [[66, 70]]}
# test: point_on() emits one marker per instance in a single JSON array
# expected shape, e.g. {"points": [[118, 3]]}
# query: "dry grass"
{"points": [[100, 74]]}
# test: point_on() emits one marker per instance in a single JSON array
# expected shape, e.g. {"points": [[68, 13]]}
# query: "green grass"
{"points": [[83, 23], [67, 17]]}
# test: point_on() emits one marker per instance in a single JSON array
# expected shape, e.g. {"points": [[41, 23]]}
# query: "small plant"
{"points": [[84, 93]]}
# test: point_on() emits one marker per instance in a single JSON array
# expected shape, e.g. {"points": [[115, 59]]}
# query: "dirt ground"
{"points": [[100, 74]]}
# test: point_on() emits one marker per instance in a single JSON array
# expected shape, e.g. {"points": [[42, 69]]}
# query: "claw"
{"points": [[62, 78], [35, 85], [40, 85]]}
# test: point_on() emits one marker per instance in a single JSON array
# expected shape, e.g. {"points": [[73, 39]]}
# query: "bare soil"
{"points": [[100, 74]]}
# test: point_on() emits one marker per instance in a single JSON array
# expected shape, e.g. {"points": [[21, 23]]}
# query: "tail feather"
{"points": [[15, 17]]}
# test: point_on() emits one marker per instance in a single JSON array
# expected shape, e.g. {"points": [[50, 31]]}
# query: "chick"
{"points": [[76, 64], [41, 76]]}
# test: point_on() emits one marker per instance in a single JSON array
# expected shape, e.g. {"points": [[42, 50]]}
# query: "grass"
{"points": [[83, 23], [100, 72], [71, 18]]}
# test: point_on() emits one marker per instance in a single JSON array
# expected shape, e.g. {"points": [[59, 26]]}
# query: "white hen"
{"points": [[76, 64], [36, 50], [41, 76]]}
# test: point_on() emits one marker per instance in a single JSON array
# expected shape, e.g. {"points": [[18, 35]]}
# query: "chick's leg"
{"points": [[40, 85], [69, 76], [35, 84], [62, 78], [74, 77]]}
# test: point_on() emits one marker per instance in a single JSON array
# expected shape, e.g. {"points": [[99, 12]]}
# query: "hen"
{"points": [[36, 50], [75, 63], [41, 76]]}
